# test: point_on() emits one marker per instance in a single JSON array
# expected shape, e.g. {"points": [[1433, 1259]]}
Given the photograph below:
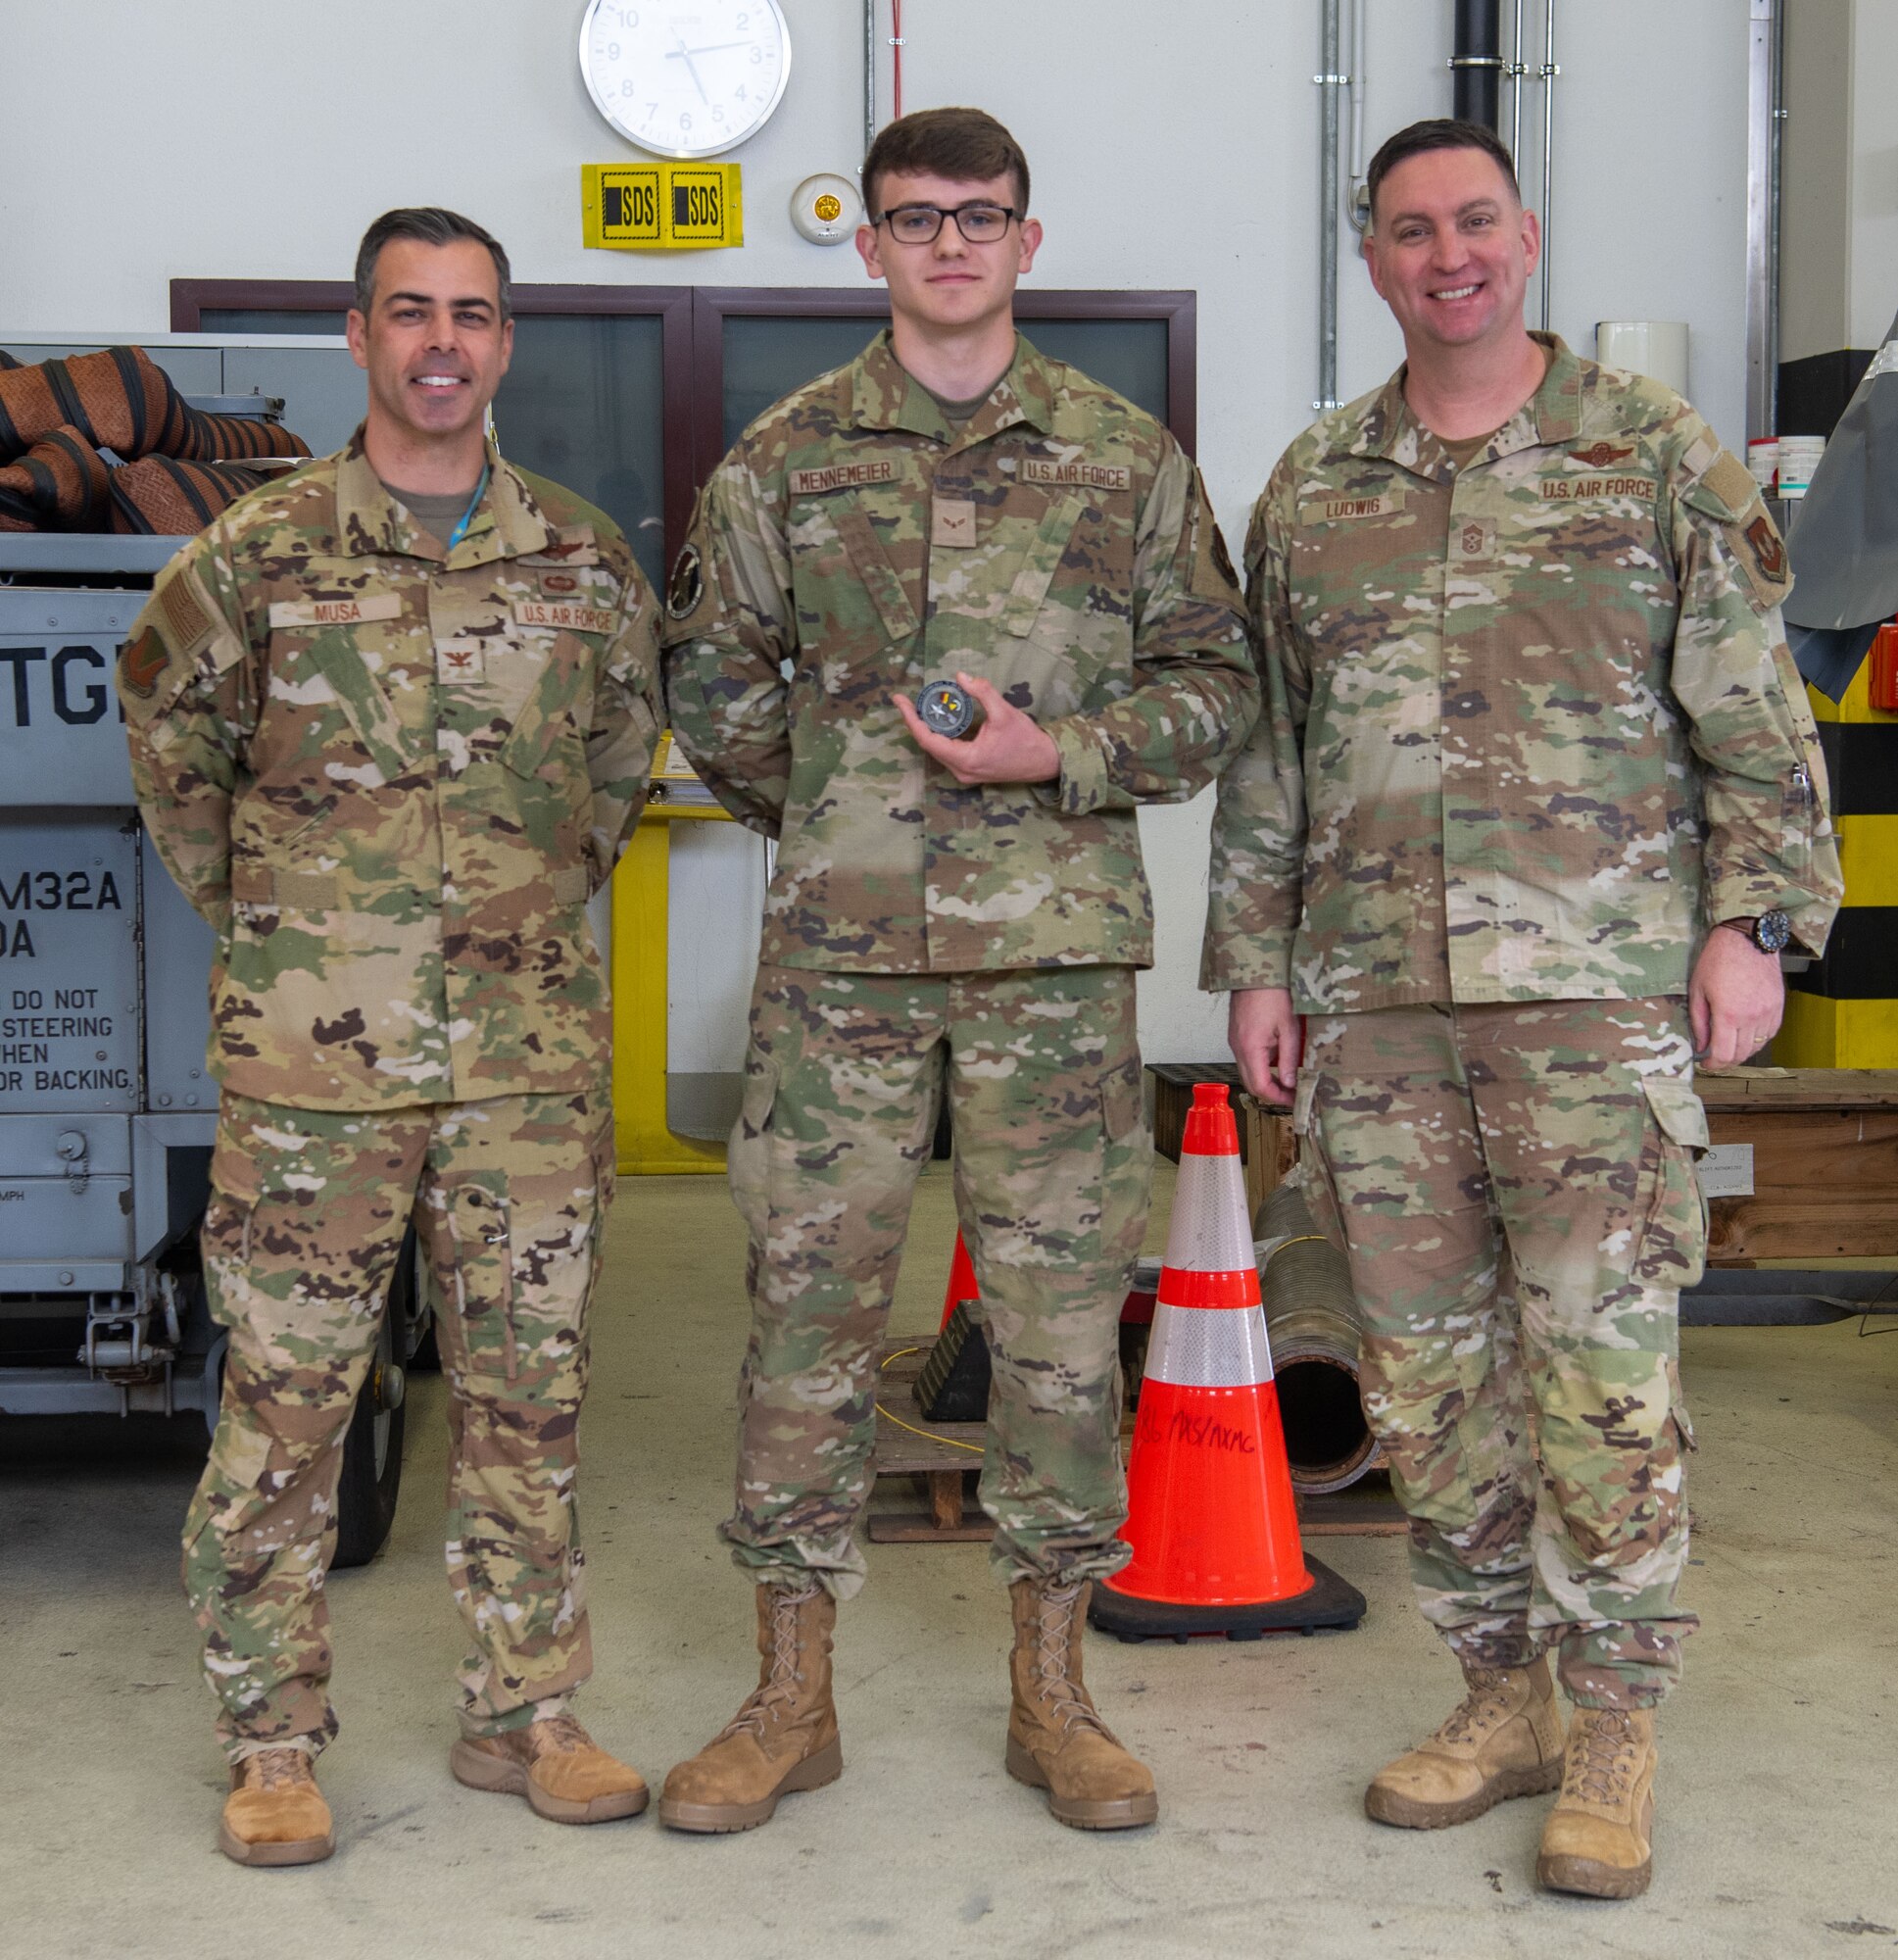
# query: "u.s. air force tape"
{"points": [[688, 585]]}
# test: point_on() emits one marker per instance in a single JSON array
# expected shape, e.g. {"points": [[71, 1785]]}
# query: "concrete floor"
{"points": [[1776, 1791]]}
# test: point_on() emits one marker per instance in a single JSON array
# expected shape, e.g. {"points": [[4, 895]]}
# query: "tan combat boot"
{"points": [[1056, 1741], [1504, 1740], [1598, 1840], [274, 1814], [556, 1766], [785, 1736]]}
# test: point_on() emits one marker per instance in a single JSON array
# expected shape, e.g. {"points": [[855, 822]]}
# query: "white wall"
{"points": [[1173, 145], [1838, 283], [1872, 294]]}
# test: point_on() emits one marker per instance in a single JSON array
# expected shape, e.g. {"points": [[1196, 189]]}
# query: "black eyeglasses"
{"points": [[921, 223]]}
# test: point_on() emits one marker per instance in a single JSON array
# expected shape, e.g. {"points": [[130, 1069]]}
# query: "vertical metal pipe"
{"points": [[1327, 81], [1764, 122], [1354, 139], [1475, 67], [1517, 70], [1549, 73], [869, 74]]}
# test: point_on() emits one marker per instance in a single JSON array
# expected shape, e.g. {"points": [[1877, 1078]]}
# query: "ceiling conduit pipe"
{"points": [[1475, 65], [1549, 73], [1515, 71], [1330, 80], [869, 74], [1357, 195]]}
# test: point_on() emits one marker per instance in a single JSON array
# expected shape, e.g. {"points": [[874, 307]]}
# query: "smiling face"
{"points": [[434, 342], [1452, 250], [948, 286]]}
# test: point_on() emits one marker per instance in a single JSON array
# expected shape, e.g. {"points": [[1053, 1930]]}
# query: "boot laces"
{"points": [[766, 1703], [276, 1769], [1484, 1707], [558, 1735], [1059, 1693], [1601, 1757]]}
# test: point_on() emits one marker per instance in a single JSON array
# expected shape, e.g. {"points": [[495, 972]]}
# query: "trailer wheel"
{"points": [[366, 1492]]}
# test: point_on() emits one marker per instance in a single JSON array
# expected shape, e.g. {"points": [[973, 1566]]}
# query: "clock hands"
{"points": [[715, 47], [685, 54]]}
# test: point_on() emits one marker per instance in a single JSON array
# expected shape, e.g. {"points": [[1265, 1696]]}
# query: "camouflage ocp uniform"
{"points": [[1531, 728], [390, 779], [923, 938]]}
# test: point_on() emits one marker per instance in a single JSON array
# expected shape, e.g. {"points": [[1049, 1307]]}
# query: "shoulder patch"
{"points": [[1762, 554], [143, 661], [687, 585], [184, 613]]}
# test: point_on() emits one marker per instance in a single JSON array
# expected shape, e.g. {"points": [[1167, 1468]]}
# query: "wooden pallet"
{"points": [[941, 1475]]}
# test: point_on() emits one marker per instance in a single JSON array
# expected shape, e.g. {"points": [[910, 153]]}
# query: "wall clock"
{"points": [[686, 80]]}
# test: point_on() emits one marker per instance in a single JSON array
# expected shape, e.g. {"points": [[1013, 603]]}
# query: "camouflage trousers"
{"points": [[306, 1215], [1514, 1188], [1053, 1170]]}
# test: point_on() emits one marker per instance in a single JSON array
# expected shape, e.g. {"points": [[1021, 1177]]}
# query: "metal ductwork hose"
{"points": [[1475, 67], [1312, 1319]]}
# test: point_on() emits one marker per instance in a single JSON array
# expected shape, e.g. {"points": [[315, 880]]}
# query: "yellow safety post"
{"points": [[1844, 1013], [644, 1145]]}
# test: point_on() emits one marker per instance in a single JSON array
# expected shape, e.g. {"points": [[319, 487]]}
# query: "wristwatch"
{"points": [[1771, 932]]}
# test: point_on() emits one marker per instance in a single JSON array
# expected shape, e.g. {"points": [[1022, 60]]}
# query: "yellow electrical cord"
{"points": [[928, 1435]]}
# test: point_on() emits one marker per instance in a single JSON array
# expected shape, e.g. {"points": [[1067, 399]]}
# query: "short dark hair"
{"points": [[428, 224], [1439, 133], [964, 145]]}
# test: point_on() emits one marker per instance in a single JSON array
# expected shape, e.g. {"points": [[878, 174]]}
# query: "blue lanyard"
{"points": [[461, 530]]}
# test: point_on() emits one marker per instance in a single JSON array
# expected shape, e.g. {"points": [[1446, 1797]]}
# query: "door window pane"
{"points": [[767, 356], [581, 404]]}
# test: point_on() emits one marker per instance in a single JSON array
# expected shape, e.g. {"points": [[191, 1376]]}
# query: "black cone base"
{"points": [[1329, 1603]]}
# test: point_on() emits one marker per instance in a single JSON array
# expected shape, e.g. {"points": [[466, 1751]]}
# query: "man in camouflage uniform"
{"points": [[947, 917], [1532, 732], [391, 725]]}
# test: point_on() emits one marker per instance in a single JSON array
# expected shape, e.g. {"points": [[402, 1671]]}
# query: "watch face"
{"points": [[685, 80], [1773, 932]]}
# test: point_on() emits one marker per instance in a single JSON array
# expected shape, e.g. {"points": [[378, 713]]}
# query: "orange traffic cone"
{"points": [[961, 1284], [1210, 1512]]}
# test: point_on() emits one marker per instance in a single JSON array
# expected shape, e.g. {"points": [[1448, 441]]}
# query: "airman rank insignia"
{"points": [[688, 582]]}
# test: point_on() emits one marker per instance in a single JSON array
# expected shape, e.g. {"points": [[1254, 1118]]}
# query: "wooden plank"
{"points": [[1266, 1146], [915, 1528], [1789, 1089], [1823, 1185]]}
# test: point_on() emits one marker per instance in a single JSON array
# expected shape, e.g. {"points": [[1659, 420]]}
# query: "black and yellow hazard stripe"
{"points": [[1842, 1012]]}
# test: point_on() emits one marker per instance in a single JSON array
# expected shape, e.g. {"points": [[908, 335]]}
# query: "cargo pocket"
{"points": [[478, 1286], [1672, 1248], [748, 1156], [1678, 1407], [1312, 1172]]}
